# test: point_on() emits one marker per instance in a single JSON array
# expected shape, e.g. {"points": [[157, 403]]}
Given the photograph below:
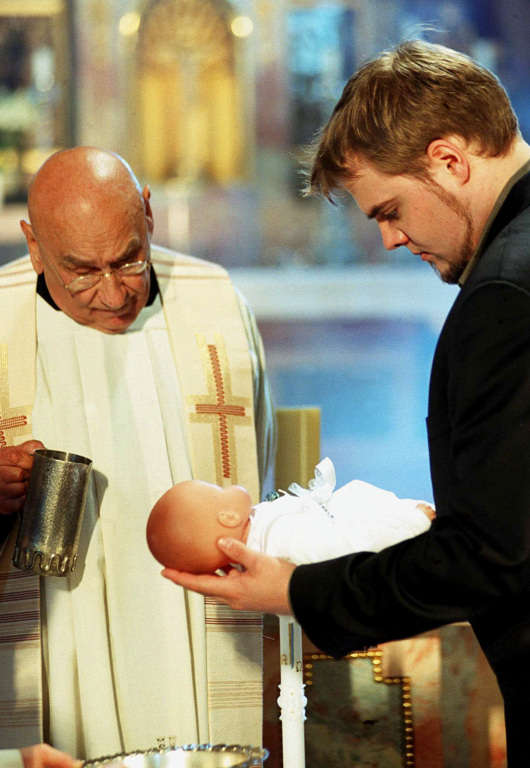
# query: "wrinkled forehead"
{"points": [[85, 219], [103, 209]]}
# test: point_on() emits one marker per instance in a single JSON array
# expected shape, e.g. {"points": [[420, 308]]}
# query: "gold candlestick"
{"points": [[298, 450]]}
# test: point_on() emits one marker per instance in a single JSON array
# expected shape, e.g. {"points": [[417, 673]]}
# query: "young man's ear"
{"points": [[448, 160], [33, 246]]}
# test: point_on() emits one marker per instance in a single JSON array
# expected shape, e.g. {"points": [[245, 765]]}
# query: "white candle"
{"points": [[292, 700]]}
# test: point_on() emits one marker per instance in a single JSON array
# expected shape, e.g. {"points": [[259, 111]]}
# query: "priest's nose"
{"points": [[112, 292]]}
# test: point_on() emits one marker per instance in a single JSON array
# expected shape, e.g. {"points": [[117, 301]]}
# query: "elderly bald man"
{"points": [[149, 363]]}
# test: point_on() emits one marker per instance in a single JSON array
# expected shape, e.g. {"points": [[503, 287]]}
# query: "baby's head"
{"points": [[186, 522]]}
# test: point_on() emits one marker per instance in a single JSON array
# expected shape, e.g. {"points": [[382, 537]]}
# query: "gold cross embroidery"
{"points": [[220, 407], [14, 422]]}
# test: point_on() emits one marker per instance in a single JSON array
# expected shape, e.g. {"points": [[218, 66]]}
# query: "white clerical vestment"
{"points": [[127, 663]]}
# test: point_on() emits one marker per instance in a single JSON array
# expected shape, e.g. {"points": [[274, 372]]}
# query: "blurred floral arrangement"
{"points": [[18, 113]]}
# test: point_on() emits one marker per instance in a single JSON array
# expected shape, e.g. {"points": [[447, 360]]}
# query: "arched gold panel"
{"points": [[189, 109]]}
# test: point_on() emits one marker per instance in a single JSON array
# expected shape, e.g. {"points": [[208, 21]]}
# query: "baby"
{"points": [[302, 526]]}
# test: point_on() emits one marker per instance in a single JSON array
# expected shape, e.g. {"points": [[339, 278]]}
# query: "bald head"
{"points": [[76, 184], [88, 215]]}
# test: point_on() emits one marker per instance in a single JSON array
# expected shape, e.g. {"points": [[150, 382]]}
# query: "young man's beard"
{"points": [[457, 265]]}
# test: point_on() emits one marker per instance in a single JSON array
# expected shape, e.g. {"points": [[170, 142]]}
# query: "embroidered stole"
{"points": [[207, 334]]}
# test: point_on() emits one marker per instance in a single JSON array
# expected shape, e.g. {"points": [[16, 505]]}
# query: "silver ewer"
{"points": [[51, 520]]}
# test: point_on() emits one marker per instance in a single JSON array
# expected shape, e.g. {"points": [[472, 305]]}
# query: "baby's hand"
{"points": [[427, 510]]}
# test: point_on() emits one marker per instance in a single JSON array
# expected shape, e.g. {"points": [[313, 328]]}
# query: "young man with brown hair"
{"points": [[427, 143]]}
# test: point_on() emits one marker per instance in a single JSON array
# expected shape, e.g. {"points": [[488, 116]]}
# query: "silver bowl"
{"points": [[187, 756]]}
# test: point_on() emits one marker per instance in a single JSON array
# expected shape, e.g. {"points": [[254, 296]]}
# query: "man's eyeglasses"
{"points": [[85, 282]]}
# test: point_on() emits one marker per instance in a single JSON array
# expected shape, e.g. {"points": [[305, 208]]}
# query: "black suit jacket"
{"points": [[474, 562]]}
